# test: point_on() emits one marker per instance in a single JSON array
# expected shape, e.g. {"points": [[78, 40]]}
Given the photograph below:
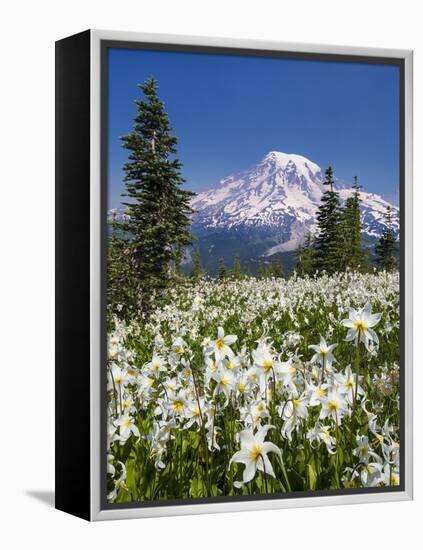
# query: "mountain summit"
{"points": [[276, 200]]}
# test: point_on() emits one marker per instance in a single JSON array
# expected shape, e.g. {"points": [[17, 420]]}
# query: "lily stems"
{"points": [[204, 435], [357, 374]]}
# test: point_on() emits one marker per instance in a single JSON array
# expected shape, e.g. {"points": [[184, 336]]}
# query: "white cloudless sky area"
{"points": [[29, 30]]}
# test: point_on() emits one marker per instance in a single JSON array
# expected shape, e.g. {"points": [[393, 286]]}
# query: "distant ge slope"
{"points": [[270, 207], [267, 210]]}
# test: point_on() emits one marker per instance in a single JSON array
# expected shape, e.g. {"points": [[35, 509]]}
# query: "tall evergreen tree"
{"points": [[158, 208], [261, 271], [264, 270], [386, 248], [354, 255], [247, 269], [236, 271], [268, 271], [305, 257], [197, 270], [277, 270], [221, 269], [328, 244], [121, 283]]}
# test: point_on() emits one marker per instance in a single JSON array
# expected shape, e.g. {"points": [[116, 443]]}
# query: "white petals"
{"points": [[181, 392]]}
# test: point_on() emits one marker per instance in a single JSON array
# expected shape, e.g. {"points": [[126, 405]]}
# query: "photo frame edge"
{"points": [[97, 36]]}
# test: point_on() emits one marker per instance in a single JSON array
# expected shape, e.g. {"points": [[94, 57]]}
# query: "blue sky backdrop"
{"points": [[229, 111]]}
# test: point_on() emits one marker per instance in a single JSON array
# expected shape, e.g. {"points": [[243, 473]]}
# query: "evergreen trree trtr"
{"points": [[354, 256], [339, 242], [328, 245], [305, 257], [197, 270], [386, 248], [158, 209]]}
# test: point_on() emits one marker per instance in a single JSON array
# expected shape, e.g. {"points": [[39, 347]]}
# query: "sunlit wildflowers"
{"points": [[256, 386]]}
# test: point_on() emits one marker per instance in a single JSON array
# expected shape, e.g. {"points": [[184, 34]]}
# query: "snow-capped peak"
{"points": [[291, 161], [280, 193]]}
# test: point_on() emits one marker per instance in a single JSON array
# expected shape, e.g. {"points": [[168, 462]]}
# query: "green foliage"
{"points": [[247, 269], [339, 242], [277, 270], [121, 283], [328, 244], [236, 271], [386, 248], [197, 271], [221, 271], [305, 257], [158, 209], [354, 256], [264, 270]]}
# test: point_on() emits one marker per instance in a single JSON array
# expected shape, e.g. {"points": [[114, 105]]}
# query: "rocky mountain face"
{"points": [[269, 208]]}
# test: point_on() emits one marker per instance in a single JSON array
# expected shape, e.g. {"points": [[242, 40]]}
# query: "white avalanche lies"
{"points": [[254, 452], [323, 353], [360, 323], [220, 347]]}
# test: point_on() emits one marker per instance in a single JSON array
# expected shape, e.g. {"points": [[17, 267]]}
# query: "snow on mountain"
{"points": [[280, 195], [277, 186]]}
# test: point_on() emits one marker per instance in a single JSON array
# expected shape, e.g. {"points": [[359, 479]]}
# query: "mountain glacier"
{"points": [[267, 210], [277, 199]]}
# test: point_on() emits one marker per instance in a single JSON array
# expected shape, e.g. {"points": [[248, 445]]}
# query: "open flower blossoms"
{"points": [[257, 386]]}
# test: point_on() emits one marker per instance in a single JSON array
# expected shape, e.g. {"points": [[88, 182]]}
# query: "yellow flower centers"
{"points": [[395, 480], [255, 452], [333, 405], [360, 325], [120, 483], [349, 384], [178, 405], [267, 365], [238, 403], [220, 344], [224, 381]]}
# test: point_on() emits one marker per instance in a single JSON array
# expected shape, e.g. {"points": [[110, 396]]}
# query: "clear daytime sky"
{"points": [[229, 111]]}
